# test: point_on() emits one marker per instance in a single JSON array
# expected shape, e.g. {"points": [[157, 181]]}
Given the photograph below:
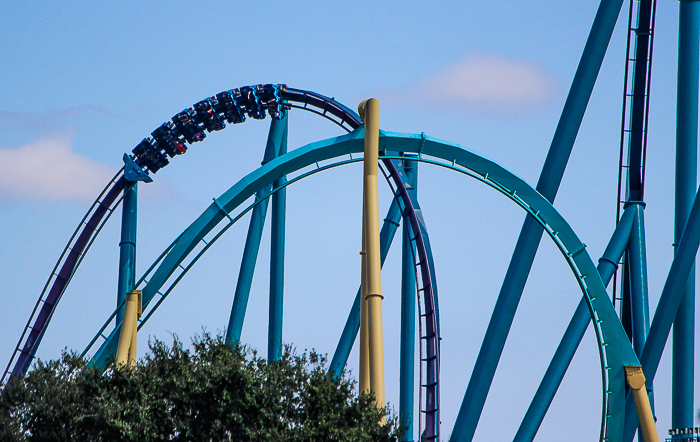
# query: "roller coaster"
{"points": [[628, 339]]}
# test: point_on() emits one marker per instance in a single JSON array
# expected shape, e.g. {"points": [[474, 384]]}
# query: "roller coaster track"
{"points": [[171, 139], [615, 351]]}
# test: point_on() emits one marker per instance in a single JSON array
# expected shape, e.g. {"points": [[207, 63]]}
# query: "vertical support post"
{"points": [[277, 228], [686, 172], [126, 349], [531, 233], [369, 110], [352, 325], [252, 242], [365, 378], [127, 247], [408, 316]]}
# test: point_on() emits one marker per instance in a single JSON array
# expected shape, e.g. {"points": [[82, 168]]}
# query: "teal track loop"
{"points": [[614, 347], [172, 139], [613, 344]]}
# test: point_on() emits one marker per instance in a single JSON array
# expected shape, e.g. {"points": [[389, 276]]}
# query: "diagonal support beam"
{"points": [[638, 279], [531, 233]]}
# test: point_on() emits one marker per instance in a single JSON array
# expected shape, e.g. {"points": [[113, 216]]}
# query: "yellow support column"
{"points": [[126, 349], [369, 111], [364, 331], [636, 380]]}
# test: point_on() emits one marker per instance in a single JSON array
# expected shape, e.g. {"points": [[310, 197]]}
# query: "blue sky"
{"points": [[84, 82]]}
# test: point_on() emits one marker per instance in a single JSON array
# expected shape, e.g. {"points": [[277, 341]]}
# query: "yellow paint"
{"points": [[636, 381], [369, 111], [364, 330], [126, 349]]}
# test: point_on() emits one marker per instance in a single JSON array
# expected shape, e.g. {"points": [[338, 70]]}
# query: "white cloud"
{"points": [[48, 169], [483, 83]]}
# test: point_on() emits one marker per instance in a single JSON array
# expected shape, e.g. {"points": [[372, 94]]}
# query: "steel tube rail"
{"points": [[531, 233], [607, 264], [639, 100], [682, 409], [84, 235]]}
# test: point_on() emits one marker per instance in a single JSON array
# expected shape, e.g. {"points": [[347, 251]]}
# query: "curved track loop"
{"points": [[63, 271], [614, 347], [170, 140], [615, 350]]}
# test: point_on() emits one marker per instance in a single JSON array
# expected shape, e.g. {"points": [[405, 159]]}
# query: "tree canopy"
{"points": [[214, 392]]}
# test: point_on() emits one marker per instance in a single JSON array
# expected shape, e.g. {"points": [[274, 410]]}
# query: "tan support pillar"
{"points": [[369, 110], [364, 329], [636, 381], [126, 349]]}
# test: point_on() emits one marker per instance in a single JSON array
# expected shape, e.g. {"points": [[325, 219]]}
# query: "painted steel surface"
{"points": [[372, 278], [530, 235], [607, 264], [408, 310], [352, 325], [127, 247], [682, 388], [276, 138], [63, 272], [666, 309], [615, 350], [277, 246]]}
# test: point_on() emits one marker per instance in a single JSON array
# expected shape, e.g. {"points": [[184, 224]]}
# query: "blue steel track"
{"points": [[172, 139]]}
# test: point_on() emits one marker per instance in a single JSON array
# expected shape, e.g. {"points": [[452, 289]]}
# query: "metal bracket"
{"points": [[133, 173]]}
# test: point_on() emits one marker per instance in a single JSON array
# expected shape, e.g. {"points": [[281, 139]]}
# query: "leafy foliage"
{"points": [[216, 392]]}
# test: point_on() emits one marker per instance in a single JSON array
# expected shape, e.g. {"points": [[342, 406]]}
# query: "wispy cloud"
{"points": [[480, 83], [50, 121], [48, 169]]}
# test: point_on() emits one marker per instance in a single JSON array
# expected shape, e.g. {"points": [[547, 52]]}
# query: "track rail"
{"points": [[63, 272], [173, 138]]}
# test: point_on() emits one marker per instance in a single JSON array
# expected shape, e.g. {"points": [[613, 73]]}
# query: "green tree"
{"points": [[214, 392]]}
